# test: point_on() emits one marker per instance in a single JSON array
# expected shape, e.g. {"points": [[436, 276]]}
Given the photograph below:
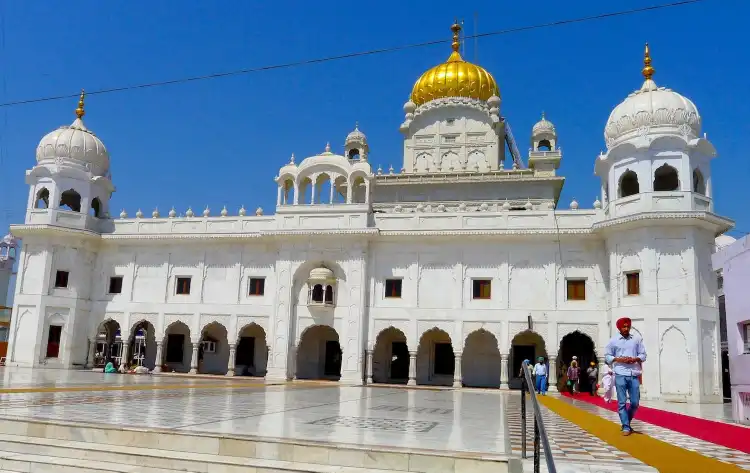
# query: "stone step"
{"points": [[171, 450]]}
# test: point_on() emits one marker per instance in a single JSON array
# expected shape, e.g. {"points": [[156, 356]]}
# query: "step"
{"points": [[199, 452]]}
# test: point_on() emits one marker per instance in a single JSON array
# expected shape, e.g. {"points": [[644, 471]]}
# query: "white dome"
{"points": [[356, 136], [543, 127], [723, 240], [652, 109], [321, 274], [75, 143]]}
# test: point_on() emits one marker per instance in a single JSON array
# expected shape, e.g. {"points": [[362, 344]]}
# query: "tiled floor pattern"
{"points": [[568, 442], [687, 442]]}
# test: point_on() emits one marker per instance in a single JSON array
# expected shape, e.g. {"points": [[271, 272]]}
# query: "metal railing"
{"points": [[540, 434]]}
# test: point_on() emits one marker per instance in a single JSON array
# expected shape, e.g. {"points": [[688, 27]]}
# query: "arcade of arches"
{"points": [[177, 352], [319, 355]]}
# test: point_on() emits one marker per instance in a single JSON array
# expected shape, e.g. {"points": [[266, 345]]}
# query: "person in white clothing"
{"points": [[608, 382], [540, 371]]}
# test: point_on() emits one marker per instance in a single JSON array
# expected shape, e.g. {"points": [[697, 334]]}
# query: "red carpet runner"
{"points": [[719, 433]]}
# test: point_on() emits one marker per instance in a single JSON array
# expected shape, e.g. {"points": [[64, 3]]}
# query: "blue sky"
{"points": [[221, 142]]}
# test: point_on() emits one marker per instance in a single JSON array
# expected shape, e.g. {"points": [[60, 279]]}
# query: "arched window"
{"points": [[329, 295], [42, 199], [354, 154], [665, 179], [71, 199], [317, 293], [699, 184], [629, 184], [544, 145], [96, 208]]}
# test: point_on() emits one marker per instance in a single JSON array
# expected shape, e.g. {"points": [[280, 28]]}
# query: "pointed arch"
{"points": [[435, 358], [628, 184], [71, 199], [666, 179], [481, 361], [699, 183], [390, 357], [251, 356]]}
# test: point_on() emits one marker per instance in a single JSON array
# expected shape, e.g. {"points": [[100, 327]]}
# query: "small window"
{"points": [[745, 328], [576, 289], [257, 286], [449, 139], [393, 288], [482, 289], [450, 121], [317, 293], [183, 286], [61, 279], [633, 284], [209, 346], [115, 285]]}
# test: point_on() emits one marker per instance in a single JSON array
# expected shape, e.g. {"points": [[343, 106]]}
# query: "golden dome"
{"points": [[454, 78]]}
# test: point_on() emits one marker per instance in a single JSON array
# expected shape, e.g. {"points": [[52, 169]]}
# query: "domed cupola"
{"points": [[74, 145], [652, 110], [543, 135], [356, 146], [454, 78]]}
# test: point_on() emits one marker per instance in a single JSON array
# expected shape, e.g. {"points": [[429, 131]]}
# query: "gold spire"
{"points": [[456, 44], [80, 112], [647, 70]]}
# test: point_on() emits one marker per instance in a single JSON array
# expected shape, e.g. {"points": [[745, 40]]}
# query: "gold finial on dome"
{"points": [[80, 112], [454, 78], [647, 71]]}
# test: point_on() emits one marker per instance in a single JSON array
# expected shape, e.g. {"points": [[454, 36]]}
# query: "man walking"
{"points": [[540, 371], [627, 352]]}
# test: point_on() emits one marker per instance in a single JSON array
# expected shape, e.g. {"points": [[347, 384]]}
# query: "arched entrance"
{"points": [[390, 357], [319, 354], [108, 345], [251, 357], [177, 348], [580, 345], [142, 345], [213, 352], [527, 345], [436, 362], [480, 364]]}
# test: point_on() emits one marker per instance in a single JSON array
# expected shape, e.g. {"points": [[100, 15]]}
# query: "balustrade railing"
{"points": [[540, 434]]}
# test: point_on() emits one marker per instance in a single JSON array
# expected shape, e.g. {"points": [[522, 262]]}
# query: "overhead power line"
{"points": [[371, 52]]}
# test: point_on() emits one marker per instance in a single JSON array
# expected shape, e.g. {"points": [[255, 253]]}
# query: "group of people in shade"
{"points": [[623, 358]]}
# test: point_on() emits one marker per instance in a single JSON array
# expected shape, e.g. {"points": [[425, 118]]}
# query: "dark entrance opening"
{"points": [[245, 356], [53, 341], [175, 348], [580, 345], [518, 354], [332, 365], [445, 361], [399, 363], [725, 379]]}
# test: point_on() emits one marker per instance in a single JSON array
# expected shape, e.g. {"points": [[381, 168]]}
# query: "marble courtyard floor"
{"points": [[483, 422]]}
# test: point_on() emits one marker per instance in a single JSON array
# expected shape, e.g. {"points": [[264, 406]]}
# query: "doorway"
{"points": [[245, 356], [332, 366], [518, 354], [399, 362]]}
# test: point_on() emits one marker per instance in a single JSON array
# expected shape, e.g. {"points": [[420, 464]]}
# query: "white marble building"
{"points": [[449, 271]]}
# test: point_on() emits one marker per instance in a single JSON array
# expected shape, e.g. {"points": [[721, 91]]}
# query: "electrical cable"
{"points": [[308, 62]]}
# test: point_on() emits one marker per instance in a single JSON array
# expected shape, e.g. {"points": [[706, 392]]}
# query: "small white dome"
{"points": [[543, 127], [356, 136], [76, 143], [723, 240], [321, 274], [652, 109]]}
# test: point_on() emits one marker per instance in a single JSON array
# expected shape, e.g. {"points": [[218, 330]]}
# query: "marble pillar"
{"points": [[232, 355], [457, 378], [504, 358], [369, 366], [92, 354], [552, 375], [194, 359], [125, 356], [412, 368], [159, 357]]}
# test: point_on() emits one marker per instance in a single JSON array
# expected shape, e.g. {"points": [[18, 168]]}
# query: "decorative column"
{"points": [[412, 368], [504, 371], [457, 371], [92, 354], [194, 359], [159, 357], [232, 353], [369, 366], [125, 355], [552, 375]]}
